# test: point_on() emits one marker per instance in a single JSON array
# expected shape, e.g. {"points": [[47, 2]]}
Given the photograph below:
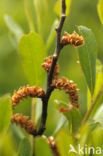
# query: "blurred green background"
{"points": [[83, 12]]}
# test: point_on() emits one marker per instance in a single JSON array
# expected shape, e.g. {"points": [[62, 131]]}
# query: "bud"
{"points": [[72, 39], [52, 143], [47, 65]]}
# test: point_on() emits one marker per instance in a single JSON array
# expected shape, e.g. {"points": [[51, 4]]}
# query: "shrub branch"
{"points": [[52, 68], [50, 88]]}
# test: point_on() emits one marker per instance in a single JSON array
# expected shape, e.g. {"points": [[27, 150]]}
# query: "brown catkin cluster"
{"points": [[23, 121], [72, 39], [25, 92], [50, 140], [47, 64], [70, 88]]}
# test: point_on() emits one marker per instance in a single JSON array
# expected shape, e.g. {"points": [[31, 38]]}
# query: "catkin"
{"points": [[25, 92], [23, 121], [52, 143], [72, 39], [70, 88], [47, 64]]}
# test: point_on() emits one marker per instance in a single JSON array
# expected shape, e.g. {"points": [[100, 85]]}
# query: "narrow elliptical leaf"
{"points": [[98, 85], [100, 10], [13, 27], [87, 56], [25, 148], [33, 52], [42, 148], [5, 113]]}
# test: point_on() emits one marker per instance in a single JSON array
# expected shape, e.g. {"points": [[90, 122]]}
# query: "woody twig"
{"points": [[50, 88]]}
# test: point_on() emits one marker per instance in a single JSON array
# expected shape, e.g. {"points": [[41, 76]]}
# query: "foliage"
{"points": [[33, 51], [5, 113], [87, 56], [25, 148], [100, 10]]}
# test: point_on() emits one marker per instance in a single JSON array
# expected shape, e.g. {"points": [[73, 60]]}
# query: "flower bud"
{"points": [[72, 39], [47, 65]]}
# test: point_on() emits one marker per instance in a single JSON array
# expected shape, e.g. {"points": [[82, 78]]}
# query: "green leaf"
{"points": [[74, 118], [17, 131], [90, 137], [100, 10], [64, 141], [84, 133], [38, 110], [33, 52], [13, 40], [41, 7], [99, 83], [97, 137], [25, 148], [13, 27], [5, 113], [29, 15], [7, 146], [57, 7], [73, 115], [42, 148], [59, 103], [60, 124], [87, 56], [99, 114]]}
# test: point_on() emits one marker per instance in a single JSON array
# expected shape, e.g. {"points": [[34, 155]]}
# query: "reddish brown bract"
{"points": [[72, 39]]}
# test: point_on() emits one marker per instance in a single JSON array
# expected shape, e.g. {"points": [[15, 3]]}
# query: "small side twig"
{"points": [[59, 46]]}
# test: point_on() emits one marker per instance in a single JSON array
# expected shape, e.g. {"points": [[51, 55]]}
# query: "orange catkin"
{"points": [[70, 88], [52, 143], [47, 64], [72, 39], [25, 92], [23, 121]]}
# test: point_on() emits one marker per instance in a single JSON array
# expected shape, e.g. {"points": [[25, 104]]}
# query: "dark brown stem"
{"points": [[44, 110], [59, 46]]}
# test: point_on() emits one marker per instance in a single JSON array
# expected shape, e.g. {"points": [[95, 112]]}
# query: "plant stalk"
{"points": [[93, 103], [34, 100], [57, 51]]}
